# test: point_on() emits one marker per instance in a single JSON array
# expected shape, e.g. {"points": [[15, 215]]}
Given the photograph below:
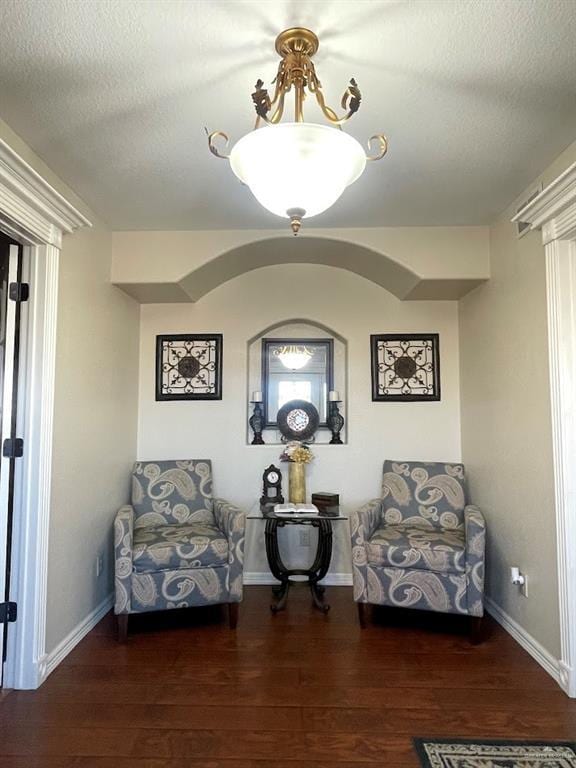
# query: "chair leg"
{"points": [[233, 615], [122, 627], [476, 634], [362, 614]]}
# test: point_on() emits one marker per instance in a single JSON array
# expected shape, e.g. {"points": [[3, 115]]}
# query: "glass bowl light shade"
{"points": [[294, 357], [297, 166]]}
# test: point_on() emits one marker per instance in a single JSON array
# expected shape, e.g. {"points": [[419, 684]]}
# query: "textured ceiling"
{"points": [[476, 97]]}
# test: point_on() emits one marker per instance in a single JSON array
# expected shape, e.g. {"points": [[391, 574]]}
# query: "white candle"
{"points": [[333, 396], [257, 397]]}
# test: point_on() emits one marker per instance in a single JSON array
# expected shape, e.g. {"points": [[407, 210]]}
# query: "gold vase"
{"points": [[297, 482]]}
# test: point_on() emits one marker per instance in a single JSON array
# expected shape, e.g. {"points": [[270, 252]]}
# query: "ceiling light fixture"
{"points": [[293, 356], [298, 169]]}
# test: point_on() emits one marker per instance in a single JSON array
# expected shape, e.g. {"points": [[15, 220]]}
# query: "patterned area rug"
{"points": [[455, 753]]}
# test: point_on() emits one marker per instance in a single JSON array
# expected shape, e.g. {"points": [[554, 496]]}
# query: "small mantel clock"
{"points": [[272, 486]]}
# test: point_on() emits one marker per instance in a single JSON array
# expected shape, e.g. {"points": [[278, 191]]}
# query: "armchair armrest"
{"points": [[475, 532], [363, 523], [123, 540], [231, 520]]}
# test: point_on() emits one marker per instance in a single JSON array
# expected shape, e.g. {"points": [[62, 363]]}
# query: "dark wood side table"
{"points": [[319, 568]]}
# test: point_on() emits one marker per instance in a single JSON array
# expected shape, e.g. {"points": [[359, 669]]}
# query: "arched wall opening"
{"points": [[413, 264], [376, 267], [297, 328]]}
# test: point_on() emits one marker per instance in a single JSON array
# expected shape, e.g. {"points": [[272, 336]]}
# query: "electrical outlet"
{"points": [[99, 564], [304, 537], [519, 580]]}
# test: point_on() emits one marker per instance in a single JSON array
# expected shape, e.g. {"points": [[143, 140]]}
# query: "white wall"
{"points": [[354, 308], [506, 426], [95, 415]]}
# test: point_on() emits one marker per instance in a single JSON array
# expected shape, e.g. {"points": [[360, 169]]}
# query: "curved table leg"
{"points": [[281, 595], [321, 564], [277, 567], [315, 573]]}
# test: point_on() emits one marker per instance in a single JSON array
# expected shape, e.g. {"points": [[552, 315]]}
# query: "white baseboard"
{"points": [[523, 638], [52, 659], [266, 578]]}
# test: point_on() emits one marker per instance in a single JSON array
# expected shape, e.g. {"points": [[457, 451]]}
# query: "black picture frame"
{"points": [[269, 342], [213, 342], [412, 344]]}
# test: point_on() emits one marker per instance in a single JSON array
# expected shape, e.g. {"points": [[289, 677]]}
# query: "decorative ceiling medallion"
{"points": [[298, 169]]}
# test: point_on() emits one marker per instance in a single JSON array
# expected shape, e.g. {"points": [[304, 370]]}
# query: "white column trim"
{"points": [[37, 210], [554, 211], [33, 212], [551, 203], [561, 288]]}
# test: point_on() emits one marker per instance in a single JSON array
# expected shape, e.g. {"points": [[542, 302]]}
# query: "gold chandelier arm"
{"points": [[277, 116], [212, 147], [350, 100], [279, 111], [382, 144], [328, 111], [263, 104]]}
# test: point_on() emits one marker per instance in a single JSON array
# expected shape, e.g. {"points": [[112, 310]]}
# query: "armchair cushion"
{"points": [[430, 549], [424, 494], [172, 492], [170, 547]]}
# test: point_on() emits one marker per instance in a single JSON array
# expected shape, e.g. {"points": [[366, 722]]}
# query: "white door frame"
{"points": [[554, 211], [8, 391], [35, 214]]}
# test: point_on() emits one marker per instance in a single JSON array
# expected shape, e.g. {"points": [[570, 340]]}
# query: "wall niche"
{"points": [[327, 370]]}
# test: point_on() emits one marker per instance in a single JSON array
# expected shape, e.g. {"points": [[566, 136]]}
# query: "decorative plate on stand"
{"points": [[298, 420]]}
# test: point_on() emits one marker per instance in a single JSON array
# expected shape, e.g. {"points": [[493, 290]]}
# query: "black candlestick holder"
{"points": [[256, 422], [335, 422]]}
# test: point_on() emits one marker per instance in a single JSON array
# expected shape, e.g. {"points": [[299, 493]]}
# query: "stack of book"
{"points": [[295, 510]]}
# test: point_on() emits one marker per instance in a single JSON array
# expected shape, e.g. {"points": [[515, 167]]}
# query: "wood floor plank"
{"points": [[128, 716], [495, 722], [210, 675], [139, 762], [531, 679], [297, 690], [263, 695], [20, 739]]}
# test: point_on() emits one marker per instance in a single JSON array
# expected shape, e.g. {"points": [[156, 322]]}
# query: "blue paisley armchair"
{"points": [[175, 546], [422, 544]]}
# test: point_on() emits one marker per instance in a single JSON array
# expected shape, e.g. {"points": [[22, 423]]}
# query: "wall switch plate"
{"points": [[304, 537], [99, 564]]}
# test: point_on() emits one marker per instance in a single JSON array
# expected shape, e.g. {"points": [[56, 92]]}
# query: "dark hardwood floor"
{"points": [[296, 690]]}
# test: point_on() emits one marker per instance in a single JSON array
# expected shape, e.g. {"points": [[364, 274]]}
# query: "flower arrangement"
{"points": [[299, 453]]}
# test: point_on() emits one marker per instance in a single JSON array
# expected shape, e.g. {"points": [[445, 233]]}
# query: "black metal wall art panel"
{"points": [[405, 367], [189, 366]]}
